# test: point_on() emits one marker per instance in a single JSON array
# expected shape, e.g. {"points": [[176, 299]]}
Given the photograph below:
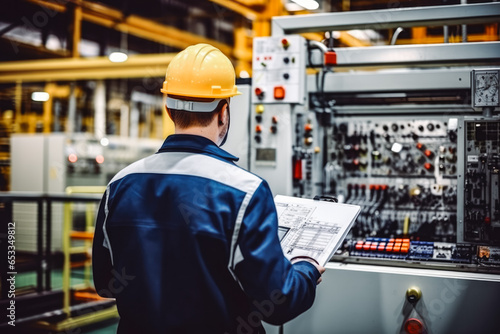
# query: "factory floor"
{"points": [[27, 281]]}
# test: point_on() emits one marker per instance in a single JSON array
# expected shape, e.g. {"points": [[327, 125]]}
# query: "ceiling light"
{"points": [[104, 141], [307, 4], [244, 74], [40, 96], [117, 57]]}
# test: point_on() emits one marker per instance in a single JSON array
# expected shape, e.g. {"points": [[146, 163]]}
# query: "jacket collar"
{"points": [[195, 144]]}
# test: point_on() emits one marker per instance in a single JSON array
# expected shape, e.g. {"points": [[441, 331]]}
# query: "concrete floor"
{"points": [[27, 280]]}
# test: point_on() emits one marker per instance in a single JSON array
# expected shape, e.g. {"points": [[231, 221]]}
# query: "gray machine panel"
{"points": [[372, 299], [389, 18], [237, 140]]}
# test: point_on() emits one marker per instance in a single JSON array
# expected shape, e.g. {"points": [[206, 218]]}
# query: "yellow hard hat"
{"points": [[201, 71]]}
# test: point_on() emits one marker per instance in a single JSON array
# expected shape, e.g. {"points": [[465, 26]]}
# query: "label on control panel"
{"points": [[278, 69]]}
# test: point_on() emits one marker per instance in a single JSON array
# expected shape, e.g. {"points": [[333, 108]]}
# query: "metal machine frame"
{"points": [[370, 296]]}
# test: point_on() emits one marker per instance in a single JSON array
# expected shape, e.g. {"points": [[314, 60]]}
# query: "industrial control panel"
{"points": [[278, 67], [479, 199], [278, 96], [427, 181], [403, 171]]}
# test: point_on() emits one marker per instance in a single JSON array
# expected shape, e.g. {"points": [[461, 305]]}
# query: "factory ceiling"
{"points": [[38, 29]]}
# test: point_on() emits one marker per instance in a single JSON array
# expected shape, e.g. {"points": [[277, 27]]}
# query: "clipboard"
{"points": [[313, 228]]}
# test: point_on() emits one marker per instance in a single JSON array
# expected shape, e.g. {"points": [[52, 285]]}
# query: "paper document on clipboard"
{"points": [[313, 228]]}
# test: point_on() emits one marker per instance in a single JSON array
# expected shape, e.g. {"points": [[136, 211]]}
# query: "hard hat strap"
{"points": [[192, 106]]}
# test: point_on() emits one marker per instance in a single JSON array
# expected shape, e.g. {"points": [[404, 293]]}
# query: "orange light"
{"points": [[279, 92], [330, 58], [72, 158], [99, 159]]}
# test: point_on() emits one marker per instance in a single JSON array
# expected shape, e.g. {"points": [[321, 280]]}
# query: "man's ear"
{"points": [[222, 115]]}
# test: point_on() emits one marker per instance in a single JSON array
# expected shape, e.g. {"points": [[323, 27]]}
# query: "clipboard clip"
{"points": [[326, 198]]}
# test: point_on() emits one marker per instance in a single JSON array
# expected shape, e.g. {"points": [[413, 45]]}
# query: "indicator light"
{"points": [[279, 92], [297, 169], [72, 158], [285, 43], [330, 58]]}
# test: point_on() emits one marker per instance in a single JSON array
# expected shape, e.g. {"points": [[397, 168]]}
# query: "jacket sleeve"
{"points": [[101, 258], [279, 290]]}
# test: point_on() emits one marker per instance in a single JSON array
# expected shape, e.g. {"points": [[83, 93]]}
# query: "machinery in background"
{"points": [[413, 146], [61, 161]]}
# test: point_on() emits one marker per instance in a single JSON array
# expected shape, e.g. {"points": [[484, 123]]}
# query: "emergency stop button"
{"points": [[285, 43], [259, 93], [414, 326], [279, 92]]}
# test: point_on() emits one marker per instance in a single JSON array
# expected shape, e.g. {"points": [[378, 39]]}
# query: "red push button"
{"points": [[258, 128], [259, 92], [285, 43], [414, 326]]}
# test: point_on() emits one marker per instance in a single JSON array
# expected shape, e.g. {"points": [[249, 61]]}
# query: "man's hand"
{"points": [[315, 263]]}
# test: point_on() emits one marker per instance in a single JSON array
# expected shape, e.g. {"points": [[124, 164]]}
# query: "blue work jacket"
{"points": [[186, 241]]}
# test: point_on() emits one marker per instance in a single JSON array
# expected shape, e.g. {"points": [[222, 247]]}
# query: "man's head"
{"points": [[198, 85]]}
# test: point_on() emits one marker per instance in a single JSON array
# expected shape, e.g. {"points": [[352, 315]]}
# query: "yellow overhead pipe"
{"points": [[237, 7], [137, 66]]}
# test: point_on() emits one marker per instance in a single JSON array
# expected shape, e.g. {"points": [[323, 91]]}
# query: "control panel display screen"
{"points": [[266, 154]]}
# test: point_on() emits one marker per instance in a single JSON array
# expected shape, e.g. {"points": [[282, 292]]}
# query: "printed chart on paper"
{"points": [[313, 228]]}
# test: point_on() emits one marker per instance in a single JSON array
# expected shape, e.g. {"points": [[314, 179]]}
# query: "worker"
{"points": [[185, 240]]}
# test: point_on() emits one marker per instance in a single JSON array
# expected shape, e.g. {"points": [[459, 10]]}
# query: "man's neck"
{"points": [[208, 132]]}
